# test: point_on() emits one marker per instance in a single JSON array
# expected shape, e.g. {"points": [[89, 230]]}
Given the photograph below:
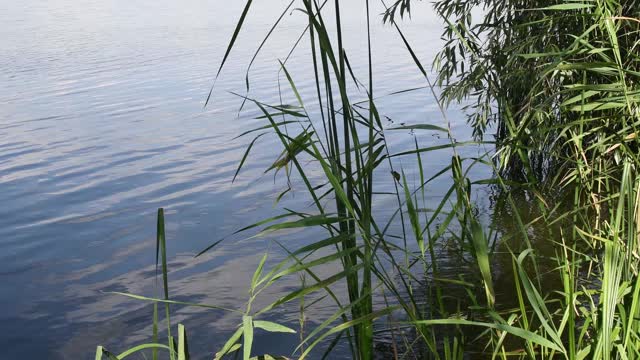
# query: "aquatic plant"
{"points": [[559, 83]]}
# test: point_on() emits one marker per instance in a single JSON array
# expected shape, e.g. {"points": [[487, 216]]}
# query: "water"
{"points": [[102, 122]]}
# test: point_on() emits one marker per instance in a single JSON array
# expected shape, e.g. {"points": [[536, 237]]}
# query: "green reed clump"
{"points": [[520, 62], [558, 81]]}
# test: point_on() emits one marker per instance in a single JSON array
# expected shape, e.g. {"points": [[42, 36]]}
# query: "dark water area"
{"points": [[102, 122]]}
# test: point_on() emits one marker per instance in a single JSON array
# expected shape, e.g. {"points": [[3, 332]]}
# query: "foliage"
{"points": [[520, 64], [559, 81]]}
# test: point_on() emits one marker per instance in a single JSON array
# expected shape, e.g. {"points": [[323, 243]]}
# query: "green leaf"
{"points": [[183, 346], [574, 6], [99, 352], [163, 301], [414, 217], [272, 327], [583, 353], [315, 220], [519, 332], [258, 272], [247, 335], [141, 347], [481, 250], [230, 46], [244, 157], [419, 127], [231, 345]]}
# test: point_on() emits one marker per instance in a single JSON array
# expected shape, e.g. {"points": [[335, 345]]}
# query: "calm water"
{"points": [[102, 122]]}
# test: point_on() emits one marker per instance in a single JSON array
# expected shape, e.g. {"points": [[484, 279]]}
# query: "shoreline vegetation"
{"points": [[558, 82]]}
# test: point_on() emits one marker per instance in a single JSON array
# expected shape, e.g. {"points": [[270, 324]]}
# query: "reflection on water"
{"points": [[102, 121]]}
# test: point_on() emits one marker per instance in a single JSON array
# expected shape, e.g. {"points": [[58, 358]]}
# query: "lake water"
{"points": [[102, 122]]}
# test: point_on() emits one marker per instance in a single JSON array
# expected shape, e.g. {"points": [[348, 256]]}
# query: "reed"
{"points": [[558, 81]]}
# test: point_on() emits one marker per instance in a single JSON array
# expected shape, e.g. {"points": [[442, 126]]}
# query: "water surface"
{"points": [[102, 122]]}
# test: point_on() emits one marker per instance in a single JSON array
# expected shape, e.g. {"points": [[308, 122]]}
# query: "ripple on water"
{"points": [[102, 122]]}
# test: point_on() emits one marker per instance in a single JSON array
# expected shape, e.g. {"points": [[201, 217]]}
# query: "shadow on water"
{"points": [[459, 282]]}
